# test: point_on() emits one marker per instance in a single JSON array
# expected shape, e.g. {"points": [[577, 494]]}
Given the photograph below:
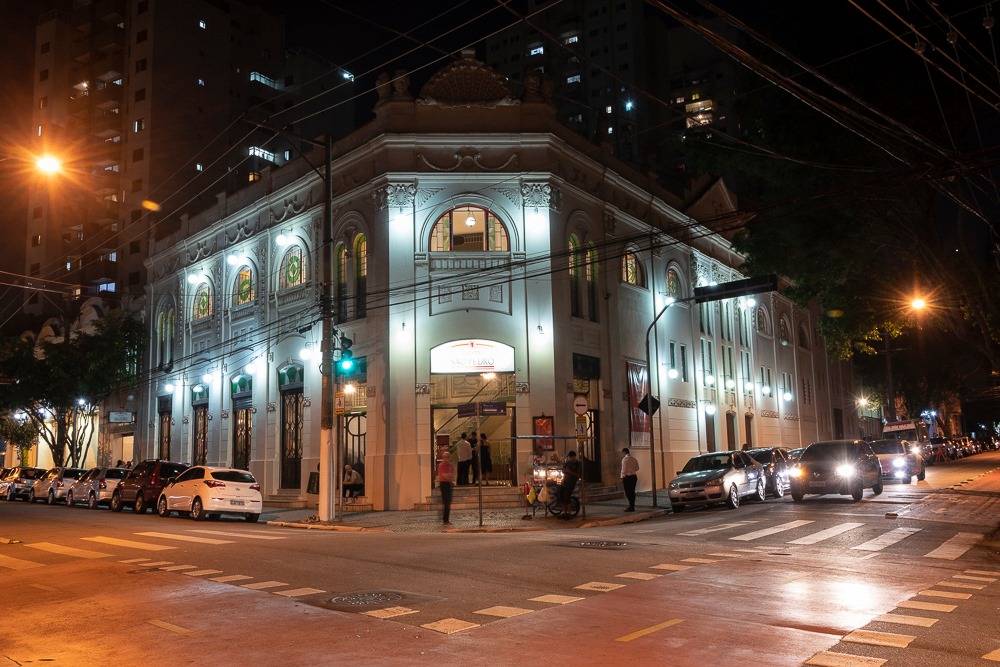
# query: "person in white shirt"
{"points": [[354, 484], [630, 475], [464, 452]]}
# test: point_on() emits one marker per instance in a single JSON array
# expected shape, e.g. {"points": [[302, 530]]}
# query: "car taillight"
{"points": [[214, 483], [59, 483], [255, 487], [102, 484]]}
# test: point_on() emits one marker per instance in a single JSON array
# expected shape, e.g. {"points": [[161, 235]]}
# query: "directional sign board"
{"points": [[580, 405], [736, 288]]}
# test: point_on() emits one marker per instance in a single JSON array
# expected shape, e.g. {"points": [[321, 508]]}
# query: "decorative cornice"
{"points": [[769, 413], [681, 403], [289, 207], [466, 154], [540, 195], [394, 195]]}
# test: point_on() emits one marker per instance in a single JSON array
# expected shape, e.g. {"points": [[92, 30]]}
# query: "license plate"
{"points": [[238, 503], [817, 485]]}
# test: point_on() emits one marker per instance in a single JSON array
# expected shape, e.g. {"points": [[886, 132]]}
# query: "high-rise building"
{"points": [[146, 102]]}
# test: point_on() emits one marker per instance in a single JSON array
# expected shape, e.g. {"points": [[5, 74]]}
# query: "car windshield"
{"points": [[115, 473], [75, 473], [829, 451], [887, 447], [700, 463], [233, 476], [762, 455], [169, 471]]}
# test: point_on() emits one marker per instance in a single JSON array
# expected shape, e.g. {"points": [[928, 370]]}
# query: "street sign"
{"points": [[492, 408], [649, 405], [467, 410], [580, 405], [339, 403], [581, 428], [736, 288]]}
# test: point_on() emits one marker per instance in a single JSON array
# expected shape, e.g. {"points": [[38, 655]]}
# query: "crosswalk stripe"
{"points": [[714, 529], [904, 619], [826, 534], [927, 606], [931, 593], [987, 580], [993, 656], [956, 546], [873, 638], [185, 538], [132, 561], [298, 592], [757, 534], [887, 539], [264, 584], [231, 577], [158, 563], [66, 551], [956, 584], [201, 573], [131, 544], [670, 566], [555, 599], [830, 659], [177, 568], [12, 563], [249, 536], [988, 573]]}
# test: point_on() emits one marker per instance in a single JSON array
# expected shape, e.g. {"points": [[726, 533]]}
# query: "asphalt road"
{"points": [[908, 578]]}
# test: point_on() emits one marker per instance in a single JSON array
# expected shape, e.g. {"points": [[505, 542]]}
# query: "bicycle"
{"points": [[554, 505]]}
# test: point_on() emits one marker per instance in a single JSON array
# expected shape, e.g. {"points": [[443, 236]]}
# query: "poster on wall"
{"points": [[543, 426], [638, 420]]}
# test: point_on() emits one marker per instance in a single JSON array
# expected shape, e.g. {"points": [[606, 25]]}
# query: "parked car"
{"points": [[95, 487], [899, 461], [722, 477], [836, 466], [53, 485], [207, 492], [142, 485], [794, 454], [18, 482], [776, 463]]}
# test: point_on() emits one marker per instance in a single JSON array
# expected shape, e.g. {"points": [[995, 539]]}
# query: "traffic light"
{"points": [[346, 363]]}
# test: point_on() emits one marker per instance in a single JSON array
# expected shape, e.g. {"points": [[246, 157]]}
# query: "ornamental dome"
{"points": [[467, 83]]}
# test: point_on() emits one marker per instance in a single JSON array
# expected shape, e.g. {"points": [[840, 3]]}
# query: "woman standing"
{"points": [[485, 460]]}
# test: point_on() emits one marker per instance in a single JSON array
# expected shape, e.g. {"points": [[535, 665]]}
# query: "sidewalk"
{"points": [[467, 521]]}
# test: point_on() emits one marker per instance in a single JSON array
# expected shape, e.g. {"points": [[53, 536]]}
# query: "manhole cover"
{"points": [[603, 544], [367, 598]]}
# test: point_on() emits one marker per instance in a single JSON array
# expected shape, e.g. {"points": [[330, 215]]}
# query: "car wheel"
{"points": [[139, 505], [10, 495], [51, 498], [733, 501], [858, 491], [797, 496], [252, 518], [779, 488], [197, 510], [92, 501], [877, 489], [69, 499], [909, 477], [161, 507], [922, 475], [761, 489], [116, 502], [31, 496]]}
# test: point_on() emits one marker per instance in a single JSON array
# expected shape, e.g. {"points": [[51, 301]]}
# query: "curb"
{"points": [[321, 526], [644, 516]]}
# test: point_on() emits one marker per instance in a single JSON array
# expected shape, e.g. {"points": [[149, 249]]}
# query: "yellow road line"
{"points": [[173, 628], [650, 630]]}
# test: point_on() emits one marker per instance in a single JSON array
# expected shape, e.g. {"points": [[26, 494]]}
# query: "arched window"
{"points": [[243, 291], [202, 305], [341, 313], [783, 331], [803, 337], [469, 229], [673, 283], [590, 275], [293, 268], [763, 326], [632, 269], [165, 338], [574, 275], [361, 275]]}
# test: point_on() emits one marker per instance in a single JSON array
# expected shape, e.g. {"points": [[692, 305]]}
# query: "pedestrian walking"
{"points": [[630, 475], [464, 452], [571, 475], [445, 477]]}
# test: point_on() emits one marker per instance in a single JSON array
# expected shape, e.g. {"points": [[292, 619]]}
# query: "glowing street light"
{"points": [[48, 164]]}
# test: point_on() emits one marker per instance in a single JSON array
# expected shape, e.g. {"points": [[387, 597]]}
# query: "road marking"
{"points": [[887, 539], [264, 584], [725, 555], [903, 619], [389, 612], [873, 638], [670, 566], [449, 626], [927, 606], [67, 551], [173, 628], [43, 588], [699, 560], [650, 630], [133, 560], [156, 563], [249, 536], [201, 573], [555, 599], [965, 577], [642, 576], [757, 534], [715, 529], [12, 563], [175, 568], [131, 544], [503, 612], [185, 538], [826, 534], [989, 573], [829, 659], [231, 577], [956, 546], [299, 592], [955, 584], [945, 594], [993, 656], [599, 586]]}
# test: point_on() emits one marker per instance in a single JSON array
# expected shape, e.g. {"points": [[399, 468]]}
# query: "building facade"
{"points": [[482, 254]]}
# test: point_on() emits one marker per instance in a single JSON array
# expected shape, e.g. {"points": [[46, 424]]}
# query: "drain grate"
{"points": [[367, 598], [602, 544]]}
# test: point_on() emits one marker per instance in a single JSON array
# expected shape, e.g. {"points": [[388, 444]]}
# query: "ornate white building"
{"points": [[483, 254]]}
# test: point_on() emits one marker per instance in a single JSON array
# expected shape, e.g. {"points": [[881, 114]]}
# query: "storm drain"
{"points": [[368, 598], [364, 600], [600, 544]]}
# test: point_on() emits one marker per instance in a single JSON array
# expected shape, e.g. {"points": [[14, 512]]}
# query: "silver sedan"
{"points": [[722, 477]]}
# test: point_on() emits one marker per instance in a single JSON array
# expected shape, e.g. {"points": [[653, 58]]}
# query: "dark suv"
{"points": [[142, 485], [836, 466]]}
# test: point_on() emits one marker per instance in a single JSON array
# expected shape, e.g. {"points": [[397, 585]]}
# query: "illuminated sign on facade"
{"points": [[472, 356]]}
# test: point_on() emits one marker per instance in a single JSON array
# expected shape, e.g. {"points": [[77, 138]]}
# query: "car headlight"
{"points": [[845, 470], [714, 482], [899, 463], [673, 485], [795, 472]]}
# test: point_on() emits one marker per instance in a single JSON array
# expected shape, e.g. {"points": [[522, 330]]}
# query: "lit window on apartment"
{"points": [[257, 151], [607, 109], [69, 266], [43, 102], [202, 25], [629, 105], [679, 100], [610, 130], [198, 166], [139, 125], [573, 79], [39, 130], [695, 96], [36, 240], [106, 287], [112, 257], [201, 82], [253, 176], [537, 51], [572, 39], [266, 80]]}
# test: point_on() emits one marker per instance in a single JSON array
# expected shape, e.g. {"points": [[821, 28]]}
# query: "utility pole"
{"points": [[329, 447]]}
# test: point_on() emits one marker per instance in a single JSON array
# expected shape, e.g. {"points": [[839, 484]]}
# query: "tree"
{"points": [[59, 385], [22, 434]]}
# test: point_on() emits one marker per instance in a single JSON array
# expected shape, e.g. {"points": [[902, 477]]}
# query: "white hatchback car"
{"points": [[900, 460], [208, 493]]}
